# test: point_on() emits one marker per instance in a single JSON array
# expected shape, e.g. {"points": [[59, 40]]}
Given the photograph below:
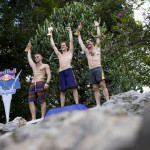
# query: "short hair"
{"points": [[38, 54], [65, 43]]}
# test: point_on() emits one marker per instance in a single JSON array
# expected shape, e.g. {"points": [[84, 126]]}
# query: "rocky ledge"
{"points": [[119, 124]]}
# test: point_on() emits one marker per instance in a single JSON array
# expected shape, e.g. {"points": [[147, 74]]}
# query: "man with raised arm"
{"points": [[96, 74], [66, 75], [38, 86]]}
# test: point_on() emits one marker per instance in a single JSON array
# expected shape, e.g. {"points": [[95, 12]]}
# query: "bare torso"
{"points": [[39, 72], [65, 61], [94, 57]]}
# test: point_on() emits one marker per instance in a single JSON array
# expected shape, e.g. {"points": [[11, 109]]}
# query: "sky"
{"points": [[138, 14]]}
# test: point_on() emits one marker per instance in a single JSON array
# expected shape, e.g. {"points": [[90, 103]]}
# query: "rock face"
{"points": [[117, 125], [142, 141], [130, 102]]}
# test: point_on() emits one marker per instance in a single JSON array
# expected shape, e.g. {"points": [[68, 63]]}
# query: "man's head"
{"points": [[38, 57], [64, 46], [90, 43]]}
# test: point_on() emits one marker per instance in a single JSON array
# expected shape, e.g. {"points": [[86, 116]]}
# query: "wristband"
{"points": [[98, 36]]}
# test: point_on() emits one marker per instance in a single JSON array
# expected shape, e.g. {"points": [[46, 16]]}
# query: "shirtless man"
{"points": [[96, 74], [38, 86], [66, 75]]}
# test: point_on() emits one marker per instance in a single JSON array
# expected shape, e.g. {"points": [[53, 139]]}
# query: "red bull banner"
{"points": [[8, 85], [8, 81]]}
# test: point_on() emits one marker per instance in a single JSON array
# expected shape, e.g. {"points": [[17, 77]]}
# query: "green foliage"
{"points": [[128, 55]]}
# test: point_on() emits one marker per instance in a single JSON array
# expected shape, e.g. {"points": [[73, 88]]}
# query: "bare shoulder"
{"points": [[69, 52], [45, 65], [86, 50], [97, 48]]}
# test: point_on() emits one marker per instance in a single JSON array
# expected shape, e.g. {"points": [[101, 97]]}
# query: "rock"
{"points": [[13, 125], [75, 131], [1, 126], [9, 127], [19, 121], [118, 124], [131, 102], [142, 142]]}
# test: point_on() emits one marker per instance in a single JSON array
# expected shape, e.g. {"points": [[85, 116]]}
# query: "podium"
{"points": [[76, 107]]}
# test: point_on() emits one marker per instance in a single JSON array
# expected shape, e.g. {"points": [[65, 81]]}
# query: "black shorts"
{"points": [[96, 75]]}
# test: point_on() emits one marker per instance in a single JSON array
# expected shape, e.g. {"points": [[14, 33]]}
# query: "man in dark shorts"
{"points": [[66, 75], [38, 86], [96, 74]]}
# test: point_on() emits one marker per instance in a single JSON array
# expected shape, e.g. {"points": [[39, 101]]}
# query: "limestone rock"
{"points": [[130, 102], [118, 124], [75, 131], [1, 126], [19, 121], [13, 125]]}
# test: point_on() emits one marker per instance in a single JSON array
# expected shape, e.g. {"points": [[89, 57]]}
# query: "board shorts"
{"points": [[67, 79], [96, 75], [37, 91]]}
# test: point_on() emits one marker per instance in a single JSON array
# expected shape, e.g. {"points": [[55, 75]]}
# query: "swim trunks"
{"points": [[67, 79], [96, 75], [37, 90]]}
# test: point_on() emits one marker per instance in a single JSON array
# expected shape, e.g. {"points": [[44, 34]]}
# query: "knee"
{"points": [[74, 89], [62, 93], [102, 85], [96, 88]]}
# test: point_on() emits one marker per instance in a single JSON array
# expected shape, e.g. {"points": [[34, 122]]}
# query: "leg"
{"points": [[104, 89], [62, 98], [96, 93], [75, 95], [32, 110], [43, 109]]}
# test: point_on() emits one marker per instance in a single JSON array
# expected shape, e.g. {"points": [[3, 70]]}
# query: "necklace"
{"points": [[92, 54]]}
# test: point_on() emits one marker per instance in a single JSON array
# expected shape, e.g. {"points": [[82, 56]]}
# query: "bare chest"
{"points": [[65, 57], [39, 70], [93, 55]]}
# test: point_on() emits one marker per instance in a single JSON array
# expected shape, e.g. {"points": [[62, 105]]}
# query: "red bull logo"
{"points": [[8, 71], [7, 77]]}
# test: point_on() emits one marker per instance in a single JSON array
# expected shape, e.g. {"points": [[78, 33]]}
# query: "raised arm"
{"points": [[96, 24], [81, 43], [53, 46], [31, 62], [71, 39], [48, 72]]}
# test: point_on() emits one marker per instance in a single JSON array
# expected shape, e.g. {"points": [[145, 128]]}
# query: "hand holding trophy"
{"points": [[50, 29], [29, 45], [79, 28]]}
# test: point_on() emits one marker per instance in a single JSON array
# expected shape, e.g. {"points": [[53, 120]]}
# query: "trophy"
{"points": [[79, 28], [50, 29], [29, 45]]}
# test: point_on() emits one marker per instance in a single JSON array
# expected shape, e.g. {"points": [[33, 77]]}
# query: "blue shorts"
{"points": [[67, 79], [96, 75]]}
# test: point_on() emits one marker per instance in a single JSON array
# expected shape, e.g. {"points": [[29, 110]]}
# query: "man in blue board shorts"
{"points": [[66, 75]]}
